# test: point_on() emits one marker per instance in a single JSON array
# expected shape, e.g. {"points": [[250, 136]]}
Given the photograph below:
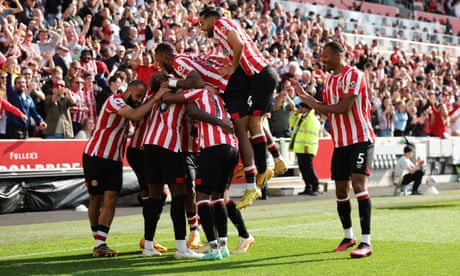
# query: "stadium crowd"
{"points": [[79, 52]]}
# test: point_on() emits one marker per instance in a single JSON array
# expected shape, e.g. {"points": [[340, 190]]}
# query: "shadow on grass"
{"points": [[132, 263], [424, 206]]}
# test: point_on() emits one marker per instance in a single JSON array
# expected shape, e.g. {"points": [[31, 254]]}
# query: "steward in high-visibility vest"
{"points": [[306, 129]]}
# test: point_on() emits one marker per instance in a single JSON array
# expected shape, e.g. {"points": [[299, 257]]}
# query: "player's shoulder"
{"points": [[116, 100], [352, 70]]}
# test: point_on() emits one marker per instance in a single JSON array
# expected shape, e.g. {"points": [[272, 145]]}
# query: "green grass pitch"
{"points": [[414, 235]]}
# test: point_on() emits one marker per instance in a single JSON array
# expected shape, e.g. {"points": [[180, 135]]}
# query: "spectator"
{"points": [[86, 130], [114, 87], [113, 62], [457, 9], [386, 117], [449, 8], [73, 72], [440, 123], [35, 91], [53, 11], [142, 64], [79, 111], [401, 118], [101, 75], [56, 76], [4, 11], [87, 62], [354, 6], [62, 58], [16, 128], [406, 171], [48, 40], [375, 118], [6, 107], [126, 22], [57, 107], [26, 15], [29, 49], [145, 34], [90, 90], [131, 40], [283, 106]]}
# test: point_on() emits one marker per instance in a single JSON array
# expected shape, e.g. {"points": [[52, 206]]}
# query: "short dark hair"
{"points": [[335, 46], [165, 47], [209, 12], [157, 78], [408, 149], [134, 83]]}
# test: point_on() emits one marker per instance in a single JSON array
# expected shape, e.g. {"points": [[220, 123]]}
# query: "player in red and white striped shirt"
{"points": [[247, 96], [197, 72], [198, 69], [191, 148], [346, 100], [165, 161], [217, 160], [103, 155], [135, 158]]}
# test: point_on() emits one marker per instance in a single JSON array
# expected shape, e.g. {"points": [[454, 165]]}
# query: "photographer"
{"points": [[57, 108]]}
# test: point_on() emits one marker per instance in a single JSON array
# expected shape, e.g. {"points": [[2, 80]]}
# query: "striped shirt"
{"points": [[164, 126], [190, 137], [355, 126], [211, 135], [252, 60], [208, 69], [111, 131], [87, 99], [137, 138]]}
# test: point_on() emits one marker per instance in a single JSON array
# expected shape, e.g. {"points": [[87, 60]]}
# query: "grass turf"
{"points": [[416, 235]]}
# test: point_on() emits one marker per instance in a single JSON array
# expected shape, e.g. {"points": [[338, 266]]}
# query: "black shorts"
{"points": [[356, 158], [250, 95], [216, 168], [102, 174], [191, 166], [163, 166], [135, 159]]}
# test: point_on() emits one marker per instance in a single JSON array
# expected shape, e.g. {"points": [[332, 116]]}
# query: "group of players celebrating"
{"points": [[202, 112], [185, 137]]}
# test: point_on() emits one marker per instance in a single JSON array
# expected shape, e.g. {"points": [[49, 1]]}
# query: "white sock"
{"points": [[366, 239], [348, 233], [99, 242], [180, 245], [250, 186], [213, 246], [148, 245], [223, 242]]}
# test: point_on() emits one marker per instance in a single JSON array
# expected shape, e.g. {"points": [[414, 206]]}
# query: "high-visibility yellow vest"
{"points": [[306, 133]]}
